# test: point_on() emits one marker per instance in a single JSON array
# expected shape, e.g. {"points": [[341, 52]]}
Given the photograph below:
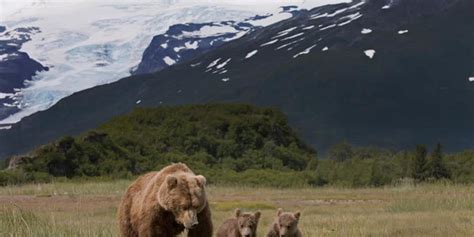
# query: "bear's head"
{"points": [[247, 223], [183, 194], [287, 223]]}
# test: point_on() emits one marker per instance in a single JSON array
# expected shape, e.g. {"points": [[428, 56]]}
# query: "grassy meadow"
{"points": [[88, 209]]}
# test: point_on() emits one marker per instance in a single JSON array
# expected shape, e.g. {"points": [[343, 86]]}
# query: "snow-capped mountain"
{"points": [[16, 67], [183, 42], [87, 43], [379, 72]]}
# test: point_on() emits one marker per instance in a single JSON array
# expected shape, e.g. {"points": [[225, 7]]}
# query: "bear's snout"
{"points": [[283, 231], [246, 232], [191, 225], [189, 219]]}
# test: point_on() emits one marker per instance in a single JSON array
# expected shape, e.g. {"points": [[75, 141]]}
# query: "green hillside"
{"points": [[236, 137]]}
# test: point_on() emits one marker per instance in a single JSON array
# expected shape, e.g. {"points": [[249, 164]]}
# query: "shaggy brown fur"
{"points": [[164, 203], [243, 225], [285, 224]]}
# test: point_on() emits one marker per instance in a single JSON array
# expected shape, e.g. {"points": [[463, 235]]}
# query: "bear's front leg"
{"points": [[204, 228]]}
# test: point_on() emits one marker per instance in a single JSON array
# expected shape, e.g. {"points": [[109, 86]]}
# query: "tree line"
{"points": [[230, 144]]}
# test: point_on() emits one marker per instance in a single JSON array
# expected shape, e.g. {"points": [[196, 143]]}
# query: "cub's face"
{"points": [[247, 223], [287, 222], [184, 196]]}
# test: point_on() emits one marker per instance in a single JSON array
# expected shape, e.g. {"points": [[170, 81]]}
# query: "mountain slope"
{"points": [[105, 40], [405, 82]]}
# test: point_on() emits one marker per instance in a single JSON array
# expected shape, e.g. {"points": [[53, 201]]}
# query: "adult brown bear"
{"points": [[165, 203]]}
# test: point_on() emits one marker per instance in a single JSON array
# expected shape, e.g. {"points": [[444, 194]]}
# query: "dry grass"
{"points": [[88, 209]]}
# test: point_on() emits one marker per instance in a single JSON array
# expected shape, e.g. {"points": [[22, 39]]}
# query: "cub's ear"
{"points": [[237, 212], [201, 180], [257, 215], [297, 215], [279, 211], [171, 181]]}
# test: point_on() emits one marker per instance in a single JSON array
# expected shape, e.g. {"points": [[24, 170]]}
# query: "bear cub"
{"points": [[285, 225], [243, 225]]}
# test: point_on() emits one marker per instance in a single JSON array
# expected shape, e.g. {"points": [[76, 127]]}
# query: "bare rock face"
{"points": [[17, 161]]}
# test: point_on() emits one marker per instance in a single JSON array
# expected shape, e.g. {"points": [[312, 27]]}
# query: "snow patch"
{"points": [[10, 105], [325, 49], [5, 95], [193, 45], [225, 79], [169, 60], [328, 27], [209, 31], [223, 64], [138, 102], [271, 19], [316, 16], [337, 12], [388, 6], [351, 17], [308, 27], [269, 42], [196, 64], [214, 63], [177, 49], [357, 5], [284, 32], [471, 79], [5, 127], [306, 51], [3, 56], [249, 55], [288, 44], [370, 53], [401, 32], [366, 31], [237, 36], [165, 45], [293, 36]]}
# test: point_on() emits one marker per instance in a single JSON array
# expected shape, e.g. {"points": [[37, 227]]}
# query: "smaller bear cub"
{"points": [[285, 225], [243, 225]]}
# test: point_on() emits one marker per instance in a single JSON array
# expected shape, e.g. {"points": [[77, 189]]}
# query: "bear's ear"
{"points": [[257, 215], [237, 212], [297, 216], [171, 181], [279, 211], [201, 180]]}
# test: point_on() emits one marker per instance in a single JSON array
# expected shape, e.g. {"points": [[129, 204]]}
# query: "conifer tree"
{"points": [[436, 168], [420, 163]]}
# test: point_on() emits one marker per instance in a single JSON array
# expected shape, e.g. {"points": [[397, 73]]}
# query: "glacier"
{"points": [[87, 43]]}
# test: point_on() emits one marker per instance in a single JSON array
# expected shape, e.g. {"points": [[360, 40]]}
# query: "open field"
{"points": [[88, 209]]}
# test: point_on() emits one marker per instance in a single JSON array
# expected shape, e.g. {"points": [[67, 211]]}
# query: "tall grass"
{"points": [[89, 209], [17, 222]]}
